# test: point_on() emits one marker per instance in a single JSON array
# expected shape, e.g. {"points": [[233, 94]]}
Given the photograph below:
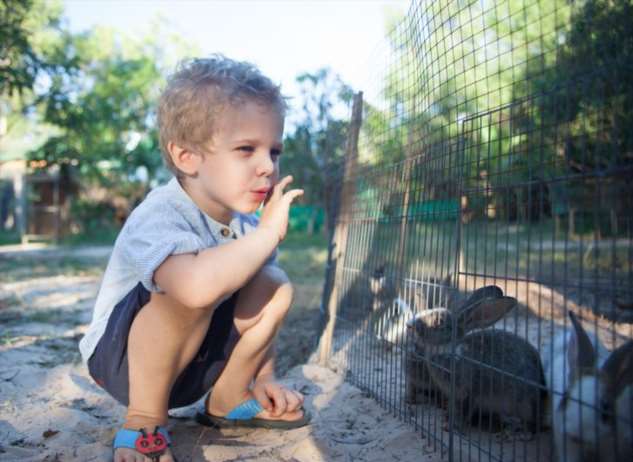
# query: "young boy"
{"points": [[192, 297]]}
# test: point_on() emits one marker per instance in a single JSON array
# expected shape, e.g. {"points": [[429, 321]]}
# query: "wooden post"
{"points": [[340, 232]]}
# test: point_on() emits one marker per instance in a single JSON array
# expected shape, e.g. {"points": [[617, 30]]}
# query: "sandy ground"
{"points": [[50, 410]]}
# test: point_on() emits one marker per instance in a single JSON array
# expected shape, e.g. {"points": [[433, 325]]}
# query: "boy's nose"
{"points": [[266, 166]]}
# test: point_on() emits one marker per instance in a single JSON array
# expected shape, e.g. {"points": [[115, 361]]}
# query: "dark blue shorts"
{"points": [[108, 365]]}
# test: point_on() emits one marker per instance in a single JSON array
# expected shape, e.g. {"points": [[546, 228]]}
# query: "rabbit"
{"points": [[431, 333], [497, 373], [591, 397], [391, 312]]}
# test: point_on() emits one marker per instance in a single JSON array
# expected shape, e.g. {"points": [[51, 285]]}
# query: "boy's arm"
{"points": [[213, 274], [207, 278]]}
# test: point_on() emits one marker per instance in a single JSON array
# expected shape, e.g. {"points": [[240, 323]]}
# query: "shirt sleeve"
{"points": [[147, 239]]}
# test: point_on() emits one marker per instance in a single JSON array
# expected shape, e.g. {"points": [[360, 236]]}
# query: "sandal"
{"points": [[151, 445], [244, 416]]}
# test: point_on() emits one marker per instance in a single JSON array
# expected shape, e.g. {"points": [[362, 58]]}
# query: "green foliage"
{"points": [[581, 108], [105, 111], [92, 215], [305, 218], [28, 46], [485, 96], [314, 151]]}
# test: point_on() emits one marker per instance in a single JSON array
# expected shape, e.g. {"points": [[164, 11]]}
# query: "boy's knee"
{"points": [[277, 290], [282, 290], [267, 297]]}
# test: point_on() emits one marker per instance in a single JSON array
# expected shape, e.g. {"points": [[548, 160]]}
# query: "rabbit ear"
{"points": [[618, 369], [481, 294], [580, 354], [485, 313]]}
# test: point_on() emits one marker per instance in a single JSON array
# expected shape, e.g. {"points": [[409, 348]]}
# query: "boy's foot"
{"points": [[223, 412], [143, 446], [131, 455]]}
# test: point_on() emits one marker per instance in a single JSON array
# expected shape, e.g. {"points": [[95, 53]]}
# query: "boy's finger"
{"points": [[262, 397], [279, 399], [292, 400], [293, 194], [279, 187]]}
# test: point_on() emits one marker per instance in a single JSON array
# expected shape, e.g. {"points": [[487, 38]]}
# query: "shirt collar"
{"points": [[220, 231]]}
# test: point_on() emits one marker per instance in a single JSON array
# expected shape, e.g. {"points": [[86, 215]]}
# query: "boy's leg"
{"points": [[259, 312], [164, 338]]}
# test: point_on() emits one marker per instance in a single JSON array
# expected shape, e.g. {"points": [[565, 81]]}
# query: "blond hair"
{"points": [[198, 91]]}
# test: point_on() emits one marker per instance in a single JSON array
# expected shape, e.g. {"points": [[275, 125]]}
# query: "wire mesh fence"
{"points": [[481, 278]]}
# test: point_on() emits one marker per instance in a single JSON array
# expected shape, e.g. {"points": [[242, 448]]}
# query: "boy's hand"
{"points": [[277, 207], [276, 398]]}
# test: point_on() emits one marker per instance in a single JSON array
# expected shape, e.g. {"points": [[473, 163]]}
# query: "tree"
{"points": [[21, 59], [582, 110], [314, 151], [103, 116]]}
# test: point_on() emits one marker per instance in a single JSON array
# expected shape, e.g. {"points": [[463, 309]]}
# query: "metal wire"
{"points": [[496, 149]]}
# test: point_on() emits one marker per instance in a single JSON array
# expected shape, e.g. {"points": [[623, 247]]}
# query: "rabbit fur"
{"points": [[591, 394], [391, 312], [515, 395], [431, 334]]}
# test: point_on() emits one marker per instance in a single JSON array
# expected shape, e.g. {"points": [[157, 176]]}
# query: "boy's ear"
{"points": [[184, 159]]}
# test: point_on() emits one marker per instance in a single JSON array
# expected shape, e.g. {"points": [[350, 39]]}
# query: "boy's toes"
{"points": [[127, 455]]}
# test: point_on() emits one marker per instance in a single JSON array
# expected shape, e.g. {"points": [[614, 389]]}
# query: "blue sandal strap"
{"points": [[126, 438], [245, 411]]}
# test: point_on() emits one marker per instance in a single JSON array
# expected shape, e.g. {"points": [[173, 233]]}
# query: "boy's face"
{"points": [[242, 164]]}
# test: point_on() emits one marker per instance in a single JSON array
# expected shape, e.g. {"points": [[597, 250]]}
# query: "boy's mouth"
{"points": [[261, 193]]}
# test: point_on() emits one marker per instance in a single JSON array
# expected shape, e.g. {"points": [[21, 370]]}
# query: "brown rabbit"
{"points": [[431, 334], [497, 373]]}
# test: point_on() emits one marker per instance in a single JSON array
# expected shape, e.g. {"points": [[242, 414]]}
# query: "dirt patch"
{"points": [[51, 410]]}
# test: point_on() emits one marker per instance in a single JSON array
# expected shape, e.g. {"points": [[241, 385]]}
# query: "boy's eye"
{"points": [[246, 148], [275, 152]]}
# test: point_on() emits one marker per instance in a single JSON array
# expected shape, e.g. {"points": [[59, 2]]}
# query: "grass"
{"points": [[303, 257], [98, 236]]}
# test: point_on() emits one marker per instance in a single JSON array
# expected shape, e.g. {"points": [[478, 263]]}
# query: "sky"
{"points": [[283, 38]]}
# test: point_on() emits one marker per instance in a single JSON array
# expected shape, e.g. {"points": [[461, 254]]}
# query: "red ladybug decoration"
{"points": [[151, 445]]}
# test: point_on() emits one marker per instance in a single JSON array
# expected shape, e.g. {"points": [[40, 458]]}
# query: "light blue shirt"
{"points": [[166, 223]]}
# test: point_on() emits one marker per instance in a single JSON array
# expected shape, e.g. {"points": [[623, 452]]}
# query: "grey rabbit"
{"points": [[431, 335], [497, 373]]}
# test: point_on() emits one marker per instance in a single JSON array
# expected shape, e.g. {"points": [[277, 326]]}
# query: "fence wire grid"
{"points": [[481, 278]]}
